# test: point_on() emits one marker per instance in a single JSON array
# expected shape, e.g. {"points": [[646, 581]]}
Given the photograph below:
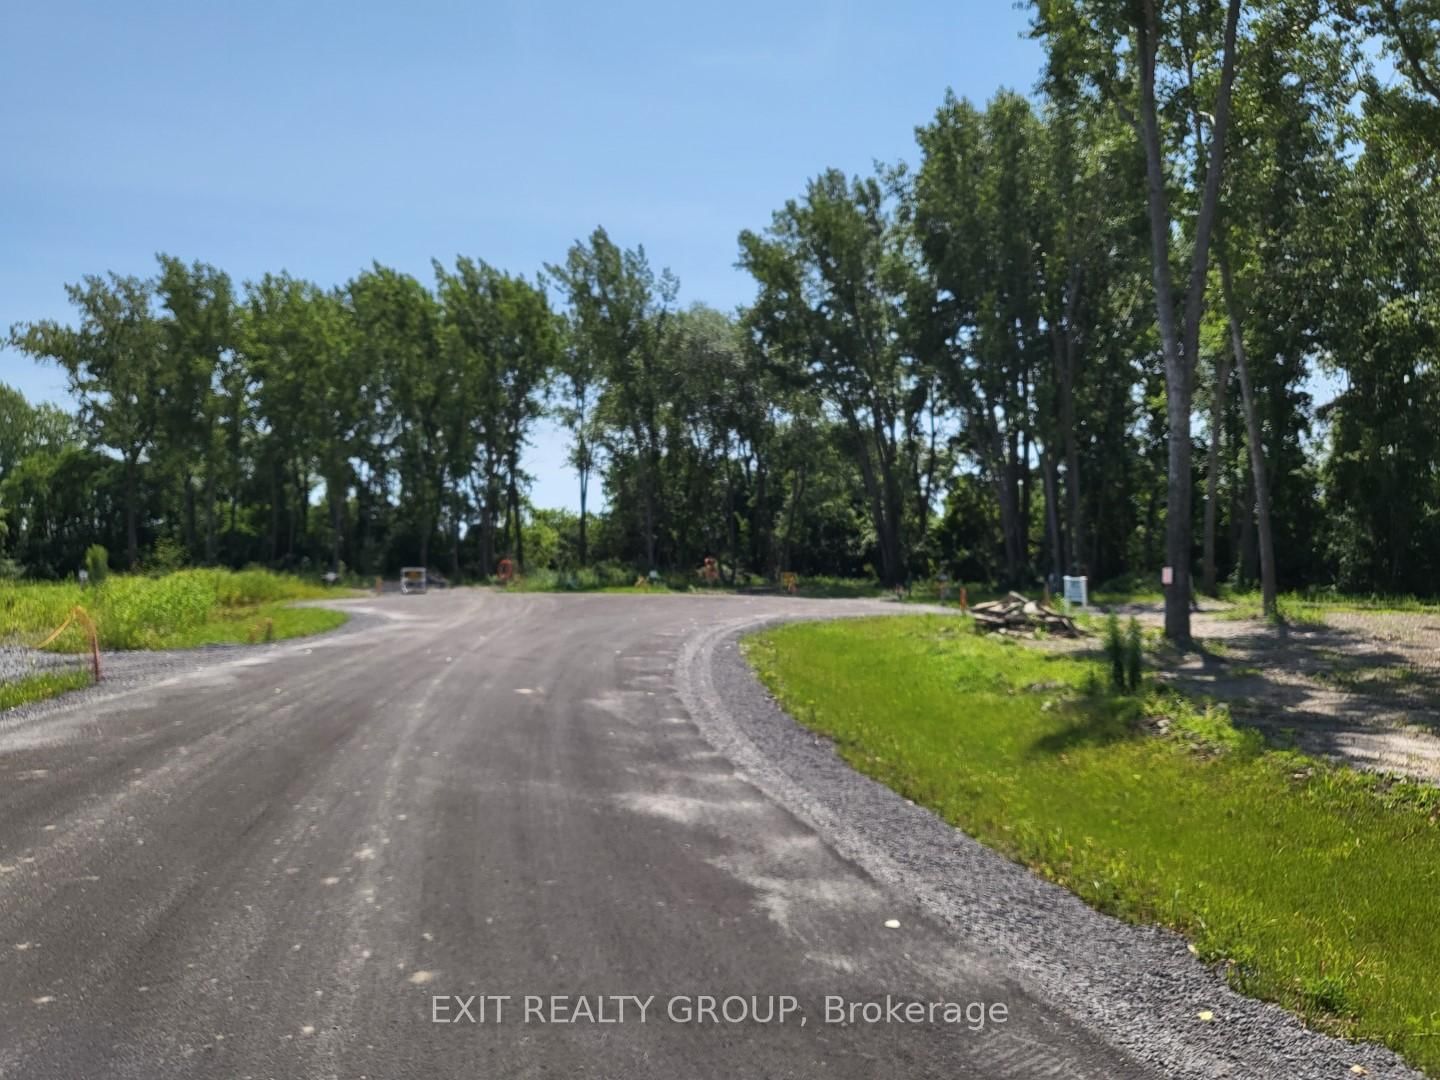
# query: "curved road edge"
{"points": [[128, 670], [1138, 987]]}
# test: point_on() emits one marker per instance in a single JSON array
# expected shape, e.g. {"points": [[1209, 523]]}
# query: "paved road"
{"points": [[270, 867]]}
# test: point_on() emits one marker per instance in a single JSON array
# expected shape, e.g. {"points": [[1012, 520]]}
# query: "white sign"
{"points": [[1077, 591], [412, 579], [1167, 576]]}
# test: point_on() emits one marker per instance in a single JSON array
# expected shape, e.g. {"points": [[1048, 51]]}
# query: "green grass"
{"points": [[39, 687], [1311, 607], [616, 578], [1314, 886], [179, 610], [1142, 587], [1113, 598], [607, 577], [1379, 677], [251, 625], [839, 588]]}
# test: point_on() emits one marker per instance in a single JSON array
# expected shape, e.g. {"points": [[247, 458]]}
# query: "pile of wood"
{"points": [[1014, 614]]}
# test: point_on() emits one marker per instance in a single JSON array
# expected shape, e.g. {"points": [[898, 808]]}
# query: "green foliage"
{"points": [[965, 364], [834, 276], [38, 687], [166, 556], [1309, 884], [178, 610], [97, 563], [1137, 586], [1115, 652], [1134, 655], [1310, 607]]}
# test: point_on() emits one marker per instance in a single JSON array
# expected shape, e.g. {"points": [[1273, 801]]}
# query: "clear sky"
{"points": [[315, 137]]}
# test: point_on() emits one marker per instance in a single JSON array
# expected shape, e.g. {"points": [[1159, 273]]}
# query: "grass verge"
{"points": [[39, 687], [179, 610], [1313, 886], [250, 626], [1311, 608], [607, 577]]}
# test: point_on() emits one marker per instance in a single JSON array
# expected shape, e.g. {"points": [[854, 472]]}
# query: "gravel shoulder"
{"points": [[1139, 987], [124, 671]]}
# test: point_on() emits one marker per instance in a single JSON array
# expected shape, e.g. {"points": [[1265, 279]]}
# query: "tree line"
{"points": [[1080, 333]]}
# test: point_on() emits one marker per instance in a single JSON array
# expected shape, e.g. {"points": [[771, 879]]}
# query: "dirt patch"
{"points": [[1361, 687]]}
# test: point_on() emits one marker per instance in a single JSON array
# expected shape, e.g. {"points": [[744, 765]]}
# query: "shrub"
{"points": [[241, 588], [167, 556], [1115, 651], [135, 611], [1134, 655], [97, 563]]}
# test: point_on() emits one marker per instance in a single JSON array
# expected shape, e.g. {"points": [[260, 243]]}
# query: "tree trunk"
{"points": [[132, 530], [337, 522], [647, 497], [1007, 494], [893, 501], [455, 514], [191, 530], [1177, 382], [732, 541], [513, 495], [762, 539], [210, 542], [797, 491], [1212, 470], [1257, 450], [487, 535], [584, 471], [1249, 552], [301, 532], [1052, 517], [1022, 468], [876, 499], [1066, 356], [1180, 355]]}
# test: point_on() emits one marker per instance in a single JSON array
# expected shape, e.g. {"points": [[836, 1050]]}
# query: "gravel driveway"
{"points": [[1363, 688]]}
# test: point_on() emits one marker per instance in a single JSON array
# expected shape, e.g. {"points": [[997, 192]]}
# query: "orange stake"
{"points": [[964, 600]]}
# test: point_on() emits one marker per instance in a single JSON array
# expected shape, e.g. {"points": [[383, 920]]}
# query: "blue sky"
{"points": [[316, 137]]}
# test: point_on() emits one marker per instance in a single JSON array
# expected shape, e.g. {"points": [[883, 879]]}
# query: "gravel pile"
{"points": [[1139, 988]]}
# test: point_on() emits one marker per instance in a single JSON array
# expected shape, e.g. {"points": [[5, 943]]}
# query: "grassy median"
{"points": [[1314, 886], [175, 611]]}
